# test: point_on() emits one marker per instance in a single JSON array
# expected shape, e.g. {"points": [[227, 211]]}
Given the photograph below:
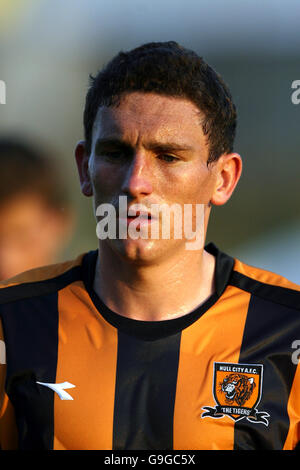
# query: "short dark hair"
{"points": [[168, 69], [26, 168]]}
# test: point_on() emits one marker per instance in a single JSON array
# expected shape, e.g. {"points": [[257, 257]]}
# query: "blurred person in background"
{"points": [[35, 215]]}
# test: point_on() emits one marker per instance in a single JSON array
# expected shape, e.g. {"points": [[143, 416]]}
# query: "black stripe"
{"points": [[31, 338], [145, 393], [269, 332], [278, 294], [43, 287], [224, 266]]}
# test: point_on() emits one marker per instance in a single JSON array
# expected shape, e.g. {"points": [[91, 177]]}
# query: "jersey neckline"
{"points": [[152, 330]]}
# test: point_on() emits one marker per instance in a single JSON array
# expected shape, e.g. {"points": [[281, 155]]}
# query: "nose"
{"points": [[138, 177]]}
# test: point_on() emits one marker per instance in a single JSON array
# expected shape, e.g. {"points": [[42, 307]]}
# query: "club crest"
{"points": [[237, 391]]}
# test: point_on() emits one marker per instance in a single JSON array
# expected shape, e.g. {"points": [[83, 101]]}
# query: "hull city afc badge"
{"points": [[237, 391]]}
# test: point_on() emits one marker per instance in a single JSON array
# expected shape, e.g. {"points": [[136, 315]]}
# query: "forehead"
{"points": [[144, 114]]}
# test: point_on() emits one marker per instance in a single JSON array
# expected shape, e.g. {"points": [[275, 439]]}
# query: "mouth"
{"points": [[138, 215], [141, 215], [230, 395], [138, 220]]}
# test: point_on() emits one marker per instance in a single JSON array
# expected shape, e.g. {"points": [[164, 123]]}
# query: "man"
{"points": [[35, 215], [149, 342]]}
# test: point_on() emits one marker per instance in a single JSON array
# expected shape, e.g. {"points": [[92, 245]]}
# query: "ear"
{"points": [[82, 161], [228, 171]]}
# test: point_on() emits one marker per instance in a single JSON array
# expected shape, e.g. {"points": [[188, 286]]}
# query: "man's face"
{"points": [[152, 149]]}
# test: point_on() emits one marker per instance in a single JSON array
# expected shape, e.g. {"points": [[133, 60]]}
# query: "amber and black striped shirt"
{"points": [[224, 376]]}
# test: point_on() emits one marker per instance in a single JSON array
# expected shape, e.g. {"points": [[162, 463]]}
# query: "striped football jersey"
{"points": [[76, 375]]}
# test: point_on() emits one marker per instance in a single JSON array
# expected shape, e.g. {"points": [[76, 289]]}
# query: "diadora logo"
{"points": [[59, 389], [237, 390]]}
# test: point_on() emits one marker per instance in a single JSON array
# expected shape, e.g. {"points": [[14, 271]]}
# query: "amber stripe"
{"points": [[293, 409], [198, 351], [38, 275], [87, 356], [266, 277]]}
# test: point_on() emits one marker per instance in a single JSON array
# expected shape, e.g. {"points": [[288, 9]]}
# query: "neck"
{"points": [[154, 292]]}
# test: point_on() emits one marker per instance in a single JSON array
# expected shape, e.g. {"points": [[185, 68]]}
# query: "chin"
{"points": [[142, 252]]}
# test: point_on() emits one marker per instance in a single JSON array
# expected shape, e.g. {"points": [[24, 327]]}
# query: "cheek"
{"points": [[105, 180], [192, 186]]}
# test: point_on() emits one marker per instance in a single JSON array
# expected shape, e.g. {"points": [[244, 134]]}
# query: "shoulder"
{"points": [[264, 276], [41, 280], [265, 284]]}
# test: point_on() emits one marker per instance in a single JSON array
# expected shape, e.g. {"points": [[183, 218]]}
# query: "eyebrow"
{"points": [[152, 145]]}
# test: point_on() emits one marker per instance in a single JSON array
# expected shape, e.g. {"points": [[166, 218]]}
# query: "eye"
{"points": [[168, 158], [114, 155]]}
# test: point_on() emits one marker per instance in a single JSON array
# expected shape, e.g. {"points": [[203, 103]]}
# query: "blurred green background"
{"points": [[48, 49]]}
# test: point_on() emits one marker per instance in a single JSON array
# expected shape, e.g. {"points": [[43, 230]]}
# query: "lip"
{"points": [[139, 220], [142, 215]]}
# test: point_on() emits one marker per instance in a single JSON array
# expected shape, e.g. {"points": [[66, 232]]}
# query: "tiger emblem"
{"points": [[237, 388], [237, 391]]}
